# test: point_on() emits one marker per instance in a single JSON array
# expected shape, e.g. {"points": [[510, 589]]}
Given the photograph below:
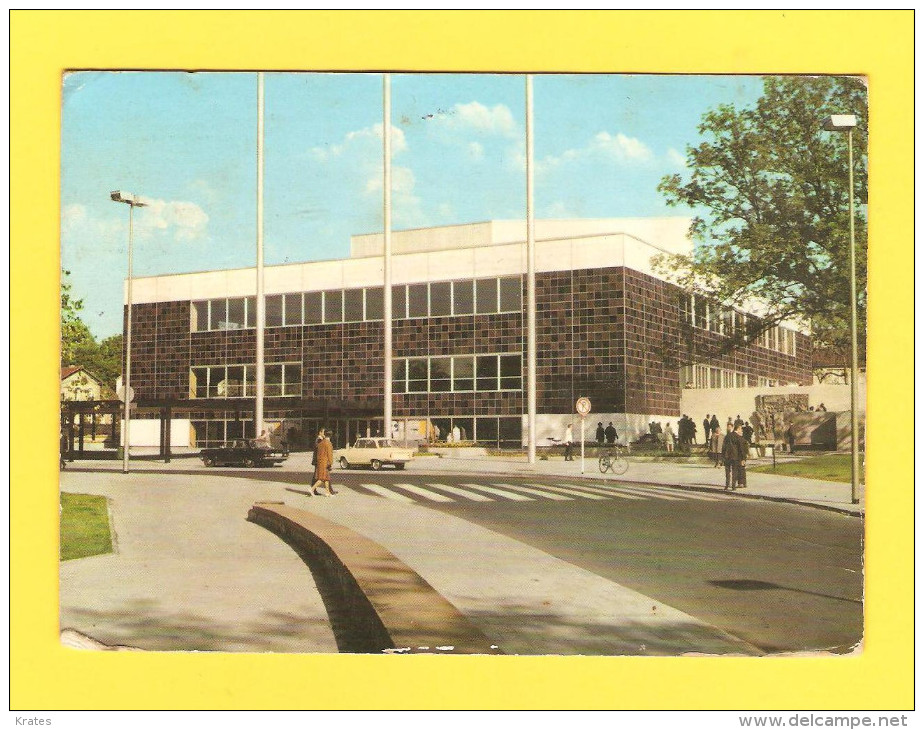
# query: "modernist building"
{"points": [[609, 328]]}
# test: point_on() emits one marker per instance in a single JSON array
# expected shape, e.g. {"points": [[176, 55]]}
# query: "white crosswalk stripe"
{"points": [[671, 494], [425, 493], [572, 492], [500, 492], [465, 493], [387, 493], [607, 491], [537, 492]]}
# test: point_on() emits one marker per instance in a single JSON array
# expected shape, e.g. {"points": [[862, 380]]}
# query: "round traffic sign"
{"points": [[583, 406]]}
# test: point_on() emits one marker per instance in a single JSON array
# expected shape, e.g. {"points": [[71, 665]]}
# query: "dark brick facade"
{"points": [[613, 335]]}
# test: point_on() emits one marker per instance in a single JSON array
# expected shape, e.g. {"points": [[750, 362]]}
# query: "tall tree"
{"points": [[769, 189]]}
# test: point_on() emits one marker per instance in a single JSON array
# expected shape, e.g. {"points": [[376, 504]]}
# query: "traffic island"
{"points": [[375, 602]]}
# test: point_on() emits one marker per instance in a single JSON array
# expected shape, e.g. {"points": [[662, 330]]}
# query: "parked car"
{"points": [[374, 452], [243, 452]]}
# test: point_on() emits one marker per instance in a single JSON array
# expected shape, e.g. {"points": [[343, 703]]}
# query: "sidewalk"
{"points": [[698, 475], [191, 574]]}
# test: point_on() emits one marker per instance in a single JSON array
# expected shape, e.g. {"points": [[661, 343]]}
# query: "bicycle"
{"points": [[614, 460]]}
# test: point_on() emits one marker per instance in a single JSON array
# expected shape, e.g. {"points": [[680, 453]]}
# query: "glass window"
{"points": [[235, 317], [200, 316], [399, 302], [198, 383], [353, 305], [510, 431], [234, 430], [293, 309], [234, 383], [292, 379], [715, 378], [250, 314], [199, 429], [272, 384], [487, 372], [511, 372], [417, 300], [487, 430], [510, 294], [250, 380], [274, 311], [417, 375], [313, 307], [463, 373], [440, 377], [218, 314], [463, 297], [216, 379], [440, 299], [374, 303], [215, 432], [715, 317], [333, 306], [699, 312], [399, 376], [486, 296], [685, 308]]}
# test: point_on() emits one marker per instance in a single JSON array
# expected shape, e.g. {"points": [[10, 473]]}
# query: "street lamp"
{"points": [[120, 196], [847, 123]]}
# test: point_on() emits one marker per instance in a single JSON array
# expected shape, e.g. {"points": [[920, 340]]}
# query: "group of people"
{"points": [[730, 448], [606, 436]]}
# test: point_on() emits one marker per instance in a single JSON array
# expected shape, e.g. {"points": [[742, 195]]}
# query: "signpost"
{"points": [[583, 408]]}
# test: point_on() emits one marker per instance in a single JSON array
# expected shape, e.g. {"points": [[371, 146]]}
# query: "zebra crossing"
{"points": [[491, 491]]}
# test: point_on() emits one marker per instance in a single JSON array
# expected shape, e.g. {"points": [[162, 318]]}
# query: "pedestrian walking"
{"points": [[601, 434], [569, 443], [323, 461], [611, 435]]}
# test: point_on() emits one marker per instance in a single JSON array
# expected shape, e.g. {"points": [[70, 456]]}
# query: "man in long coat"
{"points": [[323, 461], [735, 454]]}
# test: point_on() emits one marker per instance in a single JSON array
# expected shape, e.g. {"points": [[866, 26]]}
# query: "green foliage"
{"points": [[769, 188], [84, 526], [829, 467], [79, 347]]}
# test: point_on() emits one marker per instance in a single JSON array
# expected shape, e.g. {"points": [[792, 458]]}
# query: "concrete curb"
{"points": [[379, 604]]}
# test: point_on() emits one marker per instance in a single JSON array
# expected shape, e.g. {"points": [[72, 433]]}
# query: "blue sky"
{"points": [[186, 142]]}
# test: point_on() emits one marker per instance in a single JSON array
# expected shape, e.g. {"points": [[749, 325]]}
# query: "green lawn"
{"points": [[830, 467], [84, 526]]}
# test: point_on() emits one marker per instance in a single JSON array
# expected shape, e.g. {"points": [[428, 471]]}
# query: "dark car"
{"points": [[241, 453]]}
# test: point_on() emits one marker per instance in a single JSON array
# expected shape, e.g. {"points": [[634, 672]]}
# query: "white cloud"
{"points": [[368, 139], [615, 148], [676, 158], [621, 147], [477, 117], [406, 206], [476, 151], [187, 221]]}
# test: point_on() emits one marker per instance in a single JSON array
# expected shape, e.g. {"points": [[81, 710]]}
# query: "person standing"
{"points": [[610, 434], [601, 434], [735, 453], [669, 438], [714, 423], [323, 461], [707, 430], [717, 443], [569, 443], [791, 438]]}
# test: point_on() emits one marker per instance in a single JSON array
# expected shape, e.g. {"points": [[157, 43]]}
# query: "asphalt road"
{"points": [[782, 577]]}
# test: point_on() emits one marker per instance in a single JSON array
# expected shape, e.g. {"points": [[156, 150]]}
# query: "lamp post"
{"points": [[120, 196], [847, 123]]}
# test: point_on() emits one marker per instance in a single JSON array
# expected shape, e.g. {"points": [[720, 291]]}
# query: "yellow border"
{"points": [[878, 44]]}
